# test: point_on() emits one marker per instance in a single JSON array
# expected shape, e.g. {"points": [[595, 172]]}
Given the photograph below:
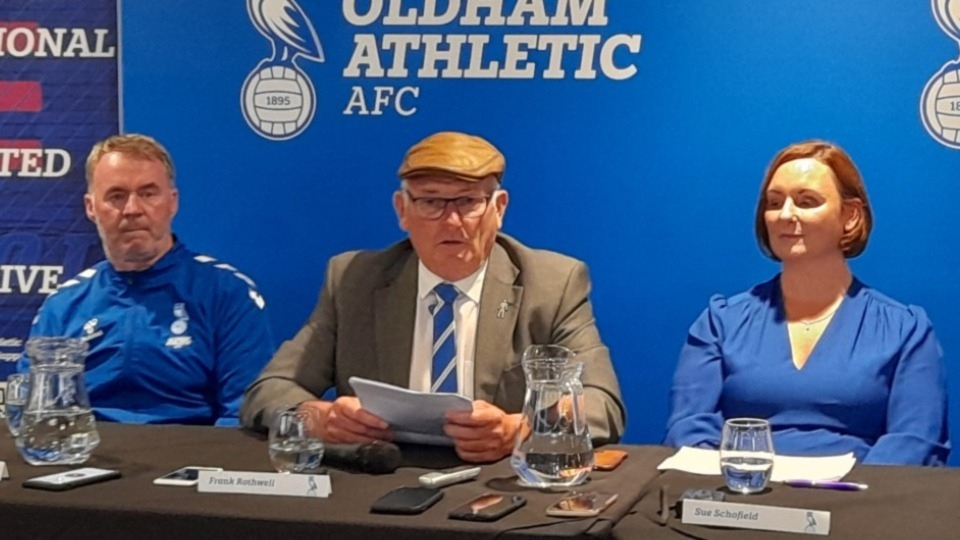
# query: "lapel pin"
{"points": [[502, 309]]}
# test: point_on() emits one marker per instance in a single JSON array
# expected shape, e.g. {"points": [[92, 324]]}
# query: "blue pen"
{"points": [[840, 486]]}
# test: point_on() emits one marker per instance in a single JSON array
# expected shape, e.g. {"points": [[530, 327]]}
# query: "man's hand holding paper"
{"points": [[416, 417], [344, 420], [484, 434]]}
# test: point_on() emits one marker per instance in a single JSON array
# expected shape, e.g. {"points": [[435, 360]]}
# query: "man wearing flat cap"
{"points": [[450, 309]]}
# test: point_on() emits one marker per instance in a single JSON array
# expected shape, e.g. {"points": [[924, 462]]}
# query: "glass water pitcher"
{"points": [[58, 427], [553, 447]]}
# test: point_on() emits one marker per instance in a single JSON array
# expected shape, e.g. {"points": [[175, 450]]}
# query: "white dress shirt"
{"points": [[466, 310]]}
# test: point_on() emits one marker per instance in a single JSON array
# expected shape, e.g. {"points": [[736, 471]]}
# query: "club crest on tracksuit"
{"points": [[178, 327]]}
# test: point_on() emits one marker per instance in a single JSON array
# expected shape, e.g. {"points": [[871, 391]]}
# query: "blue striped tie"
{"points": [[444, 373]]}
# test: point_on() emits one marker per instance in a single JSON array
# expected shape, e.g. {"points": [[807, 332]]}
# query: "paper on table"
{"points": [[3, 470], [706, 461], [415, 417]]}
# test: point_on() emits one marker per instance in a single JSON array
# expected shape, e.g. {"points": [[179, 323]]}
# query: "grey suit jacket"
{"points": [[363, 325]]}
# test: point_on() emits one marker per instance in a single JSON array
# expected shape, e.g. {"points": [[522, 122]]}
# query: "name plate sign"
{"points": [[261, 483], [3, 471], [754, 516]]}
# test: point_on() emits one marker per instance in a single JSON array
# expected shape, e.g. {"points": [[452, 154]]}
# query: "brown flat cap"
{"points": [[449, 153]]}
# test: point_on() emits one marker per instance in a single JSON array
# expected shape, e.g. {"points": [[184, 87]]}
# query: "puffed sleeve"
{"points": [[917, 432], [697, 384]]}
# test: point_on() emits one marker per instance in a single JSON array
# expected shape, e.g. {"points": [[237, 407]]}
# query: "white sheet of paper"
{"points": [[3, 470], [415, 417], [706, 461]]}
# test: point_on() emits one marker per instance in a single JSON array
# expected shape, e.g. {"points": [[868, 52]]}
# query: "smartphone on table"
{"points": [[184, 476], [407, 500], [71, 479], [608, 460], [488, 507], [585, 504]]}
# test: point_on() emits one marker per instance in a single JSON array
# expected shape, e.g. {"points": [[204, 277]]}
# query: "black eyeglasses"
{"points": [[470, 206]]}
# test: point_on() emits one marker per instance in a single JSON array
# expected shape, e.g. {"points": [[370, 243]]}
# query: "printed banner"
{"points": [[58, 96], [636, 136]]}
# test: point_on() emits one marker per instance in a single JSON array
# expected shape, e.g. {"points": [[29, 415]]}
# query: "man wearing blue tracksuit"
{"points": [[174, 337]]}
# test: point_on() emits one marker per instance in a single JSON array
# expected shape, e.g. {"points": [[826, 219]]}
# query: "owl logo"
{"points": [[278, 100], [940, 104]]}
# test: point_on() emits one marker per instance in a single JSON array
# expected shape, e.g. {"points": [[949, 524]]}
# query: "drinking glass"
{"points": [[294, 441], [746, 454], [15, 399]]}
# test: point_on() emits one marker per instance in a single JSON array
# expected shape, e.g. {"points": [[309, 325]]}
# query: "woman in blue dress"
{"points": [[835, 365]]}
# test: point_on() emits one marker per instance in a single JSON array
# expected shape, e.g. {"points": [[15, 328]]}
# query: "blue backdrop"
{"points": [[651, 175]]}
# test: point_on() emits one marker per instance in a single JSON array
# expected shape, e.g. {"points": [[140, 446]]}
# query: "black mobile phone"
{"points": [[71, 479], [407, 500], [184, 476], [488, 507]]}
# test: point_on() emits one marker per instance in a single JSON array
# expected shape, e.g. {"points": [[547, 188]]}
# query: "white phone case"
{"points": [[449, 476]]}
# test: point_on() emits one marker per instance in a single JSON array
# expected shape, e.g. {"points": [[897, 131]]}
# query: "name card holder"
{"points": [[261, 483], [754, 516]]}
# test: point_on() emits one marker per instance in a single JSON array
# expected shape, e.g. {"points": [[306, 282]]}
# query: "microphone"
{"points": [[377, 457]]}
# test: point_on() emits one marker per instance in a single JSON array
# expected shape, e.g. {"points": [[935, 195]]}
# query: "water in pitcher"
{"points": [[63, 437]]}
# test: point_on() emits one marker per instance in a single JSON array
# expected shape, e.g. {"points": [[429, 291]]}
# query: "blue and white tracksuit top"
{"points": [[178, 342]]}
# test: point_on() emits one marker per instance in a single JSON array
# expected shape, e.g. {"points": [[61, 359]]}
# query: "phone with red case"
{"points": [[608, 460], [488, 507], [583, 504]]}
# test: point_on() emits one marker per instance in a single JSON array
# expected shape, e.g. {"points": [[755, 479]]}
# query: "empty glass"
{"points": [[15, 398], [746, 454], [294, 441]]}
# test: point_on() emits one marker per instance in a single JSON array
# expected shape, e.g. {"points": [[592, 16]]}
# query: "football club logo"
{"points": [[278, 99], [90, 330], [178, 327], [940, 104]]}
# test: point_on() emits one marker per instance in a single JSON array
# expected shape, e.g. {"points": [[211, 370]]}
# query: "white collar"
{"points": [[470, 286]]}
